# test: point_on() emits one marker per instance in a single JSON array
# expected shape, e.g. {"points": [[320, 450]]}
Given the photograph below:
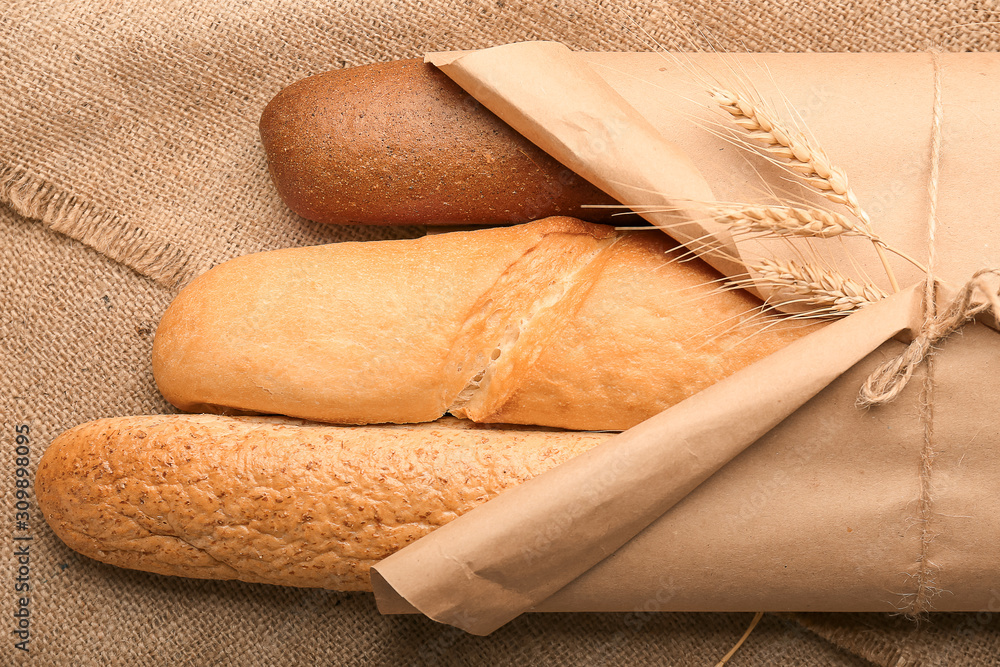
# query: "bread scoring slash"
{"points": [[557, 323]]}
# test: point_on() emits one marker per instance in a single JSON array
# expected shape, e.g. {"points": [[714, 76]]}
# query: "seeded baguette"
{"points": [[275, 501], [401, 144], [556, 323]]}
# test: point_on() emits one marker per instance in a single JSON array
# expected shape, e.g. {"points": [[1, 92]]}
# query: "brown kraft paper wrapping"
{"points": [[833, 507]]}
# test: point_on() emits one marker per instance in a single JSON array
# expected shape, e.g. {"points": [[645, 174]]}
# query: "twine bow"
{"points": [[889, 379]]}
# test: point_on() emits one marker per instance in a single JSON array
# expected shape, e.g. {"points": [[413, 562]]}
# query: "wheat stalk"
{"points": [[825, 289], [786, 221], [794, 151]]}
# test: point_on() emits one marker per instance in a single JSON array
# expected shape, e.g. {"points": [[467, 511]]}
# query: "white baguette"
{"points": [[558, 322]]}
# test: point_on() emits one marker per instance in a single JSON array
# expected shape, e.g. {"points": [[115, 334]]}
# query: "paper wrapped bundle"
{"points": [[772, 490]]}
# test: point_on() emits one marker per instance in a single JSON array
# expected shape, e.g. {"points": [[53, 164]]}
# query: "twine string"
{"points": [[977, 296], [888, 380]]}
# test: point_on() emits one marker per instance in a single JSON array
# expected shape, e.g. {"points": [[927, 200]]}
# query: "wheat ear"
{"points": [[823, 288], [791, 148], [786, 221], [794, 151]]}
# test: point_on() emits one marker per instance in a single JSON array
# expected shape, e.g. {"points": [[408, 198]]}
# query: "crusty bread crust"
{"points": [[275, 501], [558, 323]]}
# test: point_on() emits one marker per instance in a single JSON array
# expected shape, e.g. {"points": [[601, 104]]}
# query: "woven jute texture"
{"points": [[130, 162]]}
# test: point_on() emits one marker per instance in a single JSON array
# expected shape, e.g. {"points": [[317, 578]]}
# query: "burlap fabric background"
{"points": [[130, 162]]}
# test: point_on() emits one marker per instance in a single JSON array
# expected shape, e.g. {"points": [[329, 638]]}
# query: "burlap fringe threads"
{"points": [[35, 198]]}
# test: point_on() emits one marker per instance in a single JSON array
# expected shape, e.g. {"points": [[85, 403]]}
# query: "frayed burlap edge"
{"points": [[34, 197]]}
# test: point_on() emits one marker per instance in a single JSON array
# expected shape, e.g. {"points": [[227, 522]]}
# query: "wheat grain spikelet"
{"points": [[791, 148], [787, 221], [823, 288]]}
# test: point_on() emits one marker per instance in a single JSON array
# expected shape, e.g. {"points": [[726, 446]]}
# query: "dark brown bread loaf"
{"points": [[400, 144]]}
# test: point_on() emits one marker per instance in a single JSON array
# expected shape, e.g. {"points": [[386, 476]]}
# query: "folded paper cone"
{"points": [[852, 514]]}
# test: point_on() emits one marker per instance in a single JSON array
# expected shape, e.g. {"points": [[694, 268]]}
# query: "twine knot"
{"points": [[888, 380]]}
